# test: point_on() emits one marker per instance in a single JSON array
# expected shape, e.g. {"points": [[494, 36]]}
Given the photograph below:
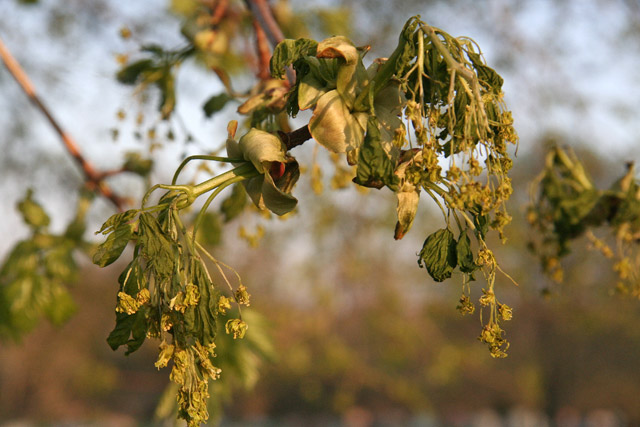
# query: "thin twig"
{"points": [[264, 53], [262, 13], [93, 179], [218, 11]]}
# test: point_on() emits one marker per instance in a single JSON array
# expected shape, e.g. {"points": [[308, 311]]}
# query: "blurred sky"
{"points": [[569, 69]]}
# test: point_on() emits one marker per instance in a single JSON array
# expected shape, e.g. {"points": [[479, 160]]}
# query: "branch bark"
{"points": [[93, 179], [262, 13], [264, 53], [294, 138]]}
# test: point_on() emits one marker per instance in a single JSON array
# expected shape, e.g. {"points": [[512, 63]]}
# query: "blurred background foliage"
{"points": [[358, 334]]}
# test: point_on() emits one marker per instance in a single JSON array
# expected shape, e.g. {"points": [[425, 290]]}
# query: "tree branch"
{"points": [[294, 138], [262, 13], [93, 179], [218, 11], [264, 53]]}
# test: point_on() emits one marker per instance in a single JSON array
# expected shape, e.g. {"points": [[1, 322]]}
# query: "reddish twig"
{"points": [[262, 13], [264, 53], [93, 178], [218, 11]]}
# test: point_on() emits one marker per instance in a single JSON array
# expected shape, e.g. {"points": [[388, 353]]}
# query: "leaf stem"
{"points": [[202, 157], [210, 199], [246, 170]]}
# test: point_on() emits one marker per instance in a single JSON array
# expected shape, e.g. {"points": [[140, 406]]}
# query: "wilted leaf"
{"points": [[485, 73], [309, 91], [274, 195], [126, 326], [481, 223], [464, 254], [375, 168], [289, 51], [438, 255], [333, 125], [340, 47], [407, 208], [115, 220], [111, 249], [261, 148]]}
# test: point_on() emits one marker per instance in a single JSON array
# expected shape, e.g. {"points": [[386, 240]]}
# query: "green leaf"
{"points": [[138, 331], [23, 259], [289, 51], [324, 70], [201, 319], [157, 248], [375, 168], [111, 249], [129, 75], [59, 262], [486, 74], [210, 230], [135, 163], [115, 220], [438, 255], [481, 222], [32, 212], [233, 205], [628, 211], [132, 280], [120, 334], [571, 213], [61, 307], [154, 49], [166, 84], [464, 255], [130, 330], [215, 104]]}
